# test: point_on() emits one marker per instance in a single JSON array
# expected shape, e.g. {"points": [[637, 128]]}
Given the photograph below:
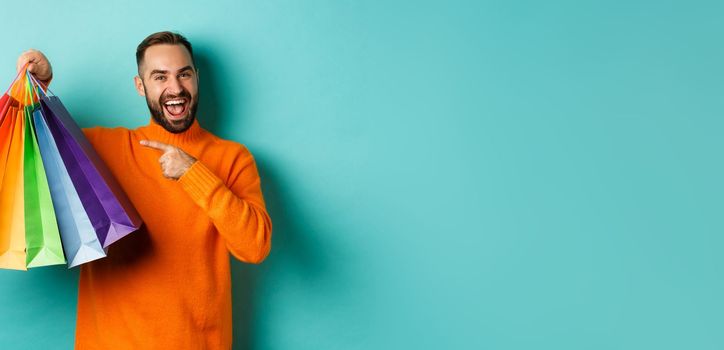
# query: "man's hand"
{"points": [[174, 161], [38, 65]]}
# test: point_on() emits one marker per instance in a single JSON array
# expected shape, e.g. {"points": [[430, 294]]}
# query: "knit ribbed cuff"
{"points": [[199, 182]]}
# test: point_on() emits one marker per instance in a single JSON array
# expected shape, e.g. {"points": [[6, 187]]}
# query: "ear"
{"points": [[139, 85]]}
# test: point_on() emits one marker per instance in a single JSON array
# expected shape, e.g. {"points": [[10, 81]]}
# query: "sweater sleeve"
{"points": [[237, 210]]}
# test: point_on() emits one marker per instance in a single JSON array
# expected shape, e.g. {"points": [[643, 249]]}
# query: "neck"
{"points": [[159, 133]]}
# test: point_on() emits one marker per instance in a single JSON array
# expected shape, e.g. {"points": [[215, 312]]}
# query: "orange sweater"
{"points": [[168, 285]]}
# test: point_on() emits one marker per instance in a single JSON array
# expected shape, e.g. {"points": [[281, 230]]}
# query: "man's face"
{"points": [[169, 81]]}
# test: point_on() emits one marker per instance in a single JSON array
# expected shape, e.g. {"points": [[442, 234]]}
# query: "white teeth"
{"points": [[174, 102]]}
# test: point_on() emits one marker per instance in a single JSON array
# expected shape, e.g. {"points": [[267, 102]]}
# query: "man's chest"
{"points": [[163, 204]]}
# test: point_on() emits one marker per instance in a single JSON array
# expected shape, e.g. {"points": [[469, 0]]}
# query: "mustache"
{"points": [[183, 94]]}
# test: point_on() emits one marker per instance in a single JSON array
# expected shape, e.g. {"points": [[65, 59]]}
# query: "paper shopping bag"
{"points": [[108, 208], [80, 242], [42, 239], [5, 133], [12, 220]]}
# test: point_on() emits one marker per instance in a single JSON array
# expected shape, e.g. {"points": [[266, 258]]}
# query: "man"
{"points": [[168, 285]]}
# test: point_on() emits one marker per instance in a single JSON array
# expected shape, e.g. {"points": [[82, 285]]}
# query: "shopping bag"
{"points": [[80, 242], [42, 239], [108, 208], [5, 133], [59, 203], [12, 220]]}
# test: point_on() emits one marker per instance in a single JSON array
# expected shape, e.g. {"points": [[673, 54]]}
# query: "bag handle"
{"points": [[37, 87], [21, 71], [42, 88]]}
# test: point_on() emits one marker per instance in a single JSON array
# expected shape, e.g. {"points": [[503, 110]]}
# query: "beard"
{"points": [[178, 126]]}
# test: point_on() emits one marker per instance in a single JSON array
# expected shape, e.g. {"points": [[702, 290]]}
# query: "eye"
{"points": [[160, 77], [185, 75]]}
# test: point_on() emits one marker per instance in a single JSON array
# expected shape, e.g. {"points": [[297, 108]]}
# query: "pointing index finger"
{"points": [[157, 145]]}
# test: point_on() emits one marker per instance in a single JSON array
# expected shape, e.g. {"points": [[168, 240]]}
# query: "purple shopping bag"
{"points": [[109, 209]]}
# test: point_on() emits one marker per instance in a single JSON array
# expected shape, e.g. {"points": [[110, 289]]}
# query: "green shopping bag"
{"points": [[42, 239]]}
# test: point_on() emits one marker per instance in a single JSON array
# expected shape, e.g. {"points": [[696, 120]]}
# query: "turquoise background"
{"points": [[441, 175]]}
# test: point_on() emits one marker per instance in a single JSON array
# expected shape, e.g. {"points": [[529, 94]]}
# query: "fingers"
{"points": [[174, 162], [37, 64], [157, 145], [25, 58], [163, 159]]}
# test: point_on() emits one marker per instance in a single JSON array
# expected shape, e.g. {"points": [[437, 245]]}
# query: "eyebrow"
{"points": [[160, 71]]}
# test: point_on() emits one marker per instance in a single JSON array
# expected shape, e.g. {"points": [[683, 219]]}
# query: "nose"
{"points": [[174, 86]]}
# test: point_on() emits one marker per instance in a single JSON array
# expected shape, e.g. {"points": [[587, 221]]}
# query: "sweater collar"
{"points": [[156, 132]]}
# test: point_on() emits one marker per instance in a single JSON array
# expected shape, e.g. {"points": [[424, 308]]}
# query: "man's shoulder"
{"points": [[229, 146], [104, 135], [105, 131]]}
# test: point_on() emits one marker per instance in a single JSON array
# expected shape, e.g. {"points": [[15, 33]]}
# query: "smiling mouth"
{"points": [[176, 108]]}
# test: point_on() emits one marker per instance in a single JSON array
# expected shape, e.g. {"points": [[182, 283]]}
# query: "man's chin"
{"points": [[177, 122], [175, 125], [180, 125]]}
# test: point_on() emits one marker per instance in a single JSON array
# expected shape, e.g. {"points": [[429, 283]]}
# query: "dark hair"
{"points": [[165, 37]]}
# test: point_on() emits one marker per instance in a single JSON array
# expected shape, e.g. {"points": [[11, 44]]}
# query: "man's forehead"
{"points": [[166, 57]]}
